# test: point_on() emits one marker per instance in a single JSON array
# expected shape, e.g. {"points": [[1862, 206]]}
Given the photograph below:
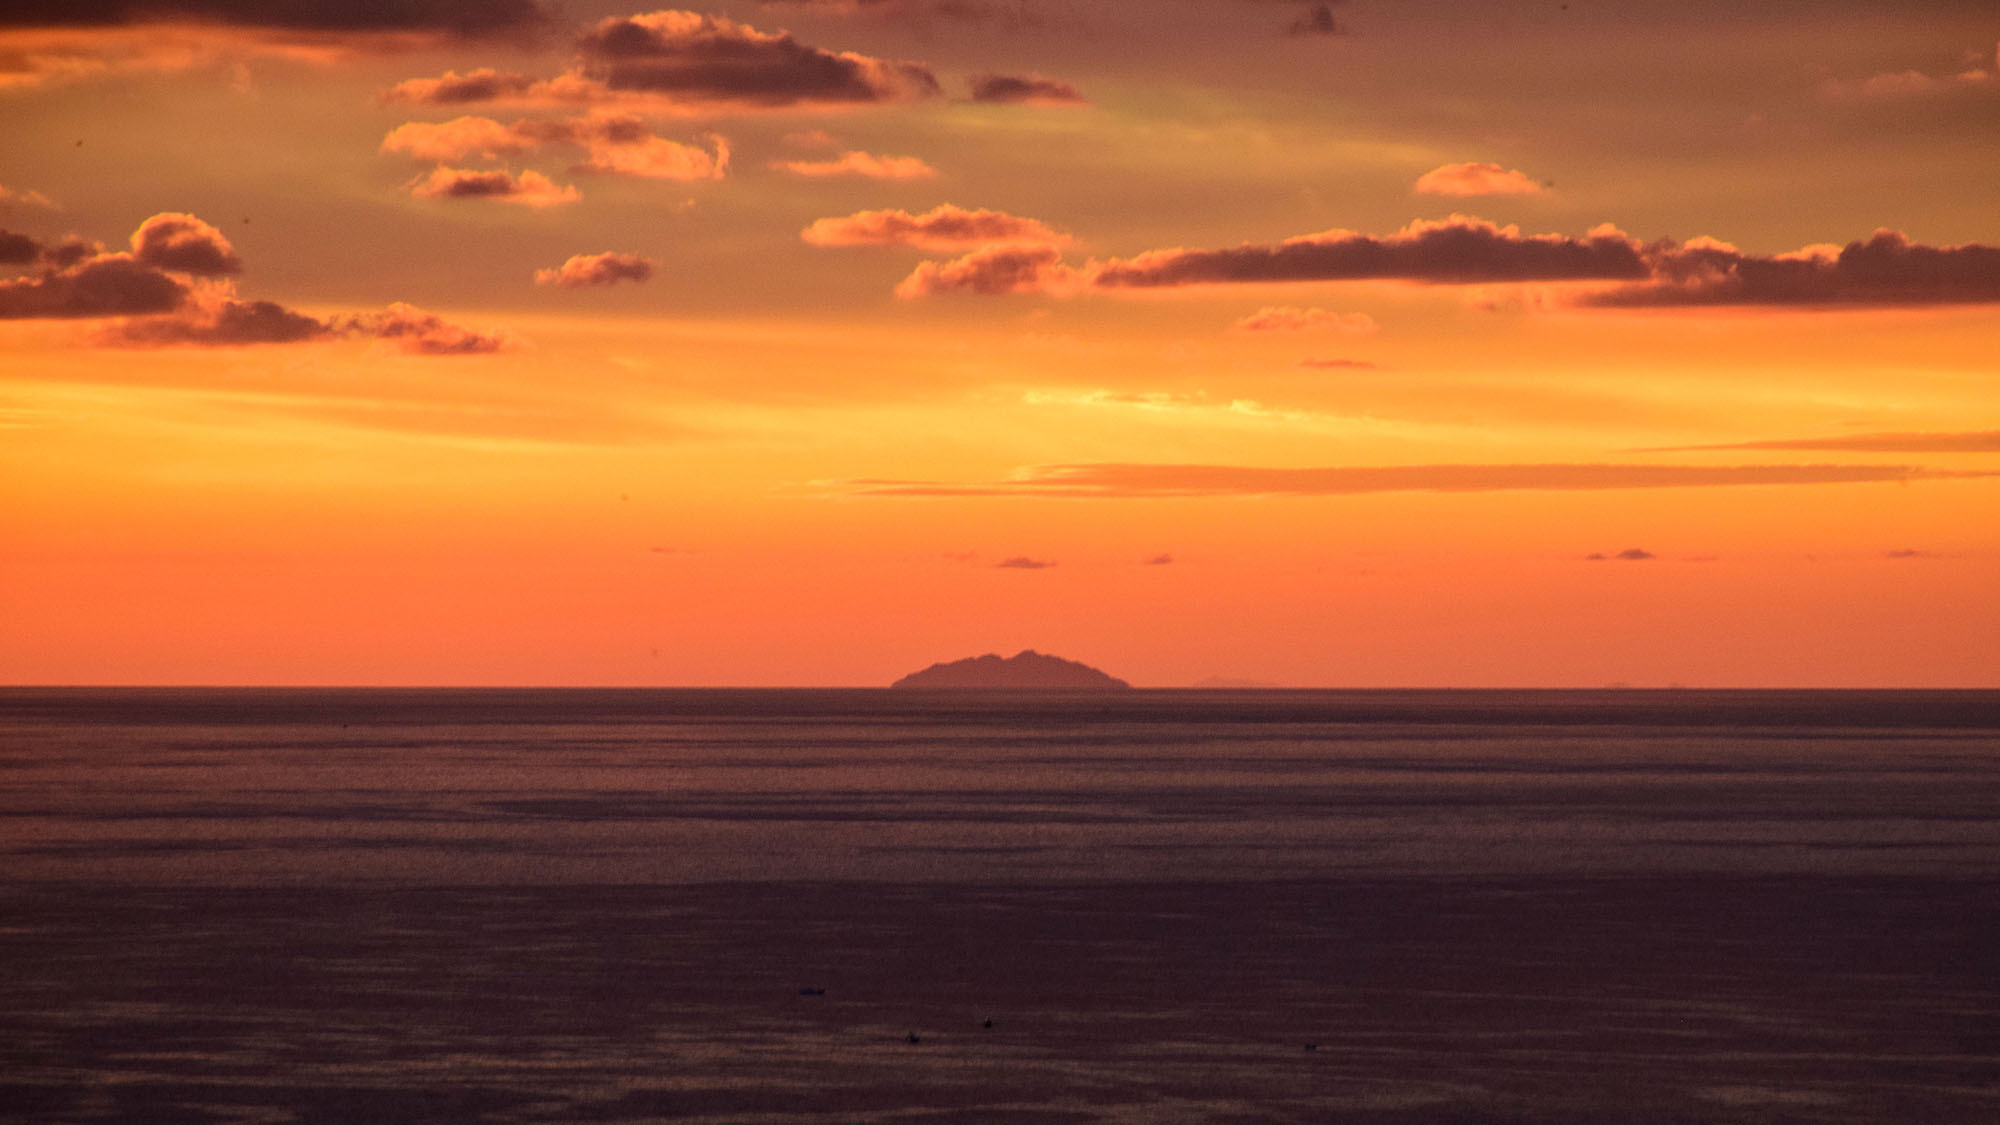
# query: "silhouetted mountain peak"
{"points": [[1025, 670]]}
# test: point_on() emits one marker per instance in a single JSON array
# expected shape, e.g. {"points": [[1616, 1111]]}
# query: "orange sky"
{"points": [[809, 342]]}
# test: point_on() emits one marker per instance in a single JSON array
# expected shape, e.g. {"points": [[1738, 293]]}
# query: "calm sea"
{"points": [[367, 906]]}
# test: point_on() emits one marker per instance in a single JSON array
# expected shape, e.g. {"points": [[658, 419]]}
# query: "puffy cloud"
{"points": [[422, 333], [1476, 179], [1144, 481], [993, 270], [103, 285], [944, 227], [1286, 318], [529, 189], [1024, 90], [174, 240], [691, 62], [713, 59], [863, 164], [619, 144], [18, 249], [1023, 562], [597, 269], [1884, 269]]}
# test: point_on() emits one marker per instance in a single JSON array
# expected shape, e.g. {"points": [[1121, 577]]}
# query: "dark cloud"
{"points": [[1316, 20], [1458, 250], [1976, 441], [469, 19], [1884, 269], [1140, 481], [422, 333], [1160, 560], [1023, 562], [18, 249], [105, 285], [607, 268], [944, 227], [529, 189], [704, 58], [453, 88], [1629, 554], [230, 322], [174, 240], [1024, 89]]}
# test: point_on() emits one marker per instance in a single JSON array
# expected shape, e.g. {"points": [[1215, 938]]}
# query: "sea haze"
{"points": [[293, 905]]}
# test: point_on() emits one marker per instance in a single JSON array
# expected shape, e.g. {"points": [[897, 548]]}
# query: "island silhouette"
{"points": [[1025, 670]]}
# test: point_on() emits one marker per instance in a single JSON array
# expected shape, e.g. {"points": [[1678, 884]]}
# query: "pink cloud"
{"points": [[862, 164], [619, 144], [597, 269], [944, 227], [529, 189], [993, 270], [453, 88], [1476, 179]]}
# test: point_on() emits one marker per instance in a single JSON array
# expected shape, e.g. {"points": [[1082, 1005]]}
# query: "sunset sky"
{"points": [[812, 341]]}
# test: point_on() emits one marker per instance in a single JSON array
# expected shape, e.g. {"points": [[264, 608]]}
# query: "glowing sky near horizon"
{"points": [[812, 341]]}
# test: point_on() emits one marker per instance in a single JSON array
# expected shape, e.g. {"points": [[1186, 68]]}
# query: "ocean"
{"points": [[855, 905]]}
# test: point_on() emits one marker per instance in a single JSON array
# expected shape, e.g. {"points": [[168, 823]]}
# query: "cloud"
{"points": [[1317, 20], [104, 285], [597, 269], [863, 164], [1023, 562], [529, 189], [18, 249], [1629, 554], [944, 227], [1981, 75], [614, 143], [1287, 318], [689, 62], [223, 323], [11, 199], [453, 88], [1339, 364], [1029, 89], [1476, 179], [1976, 441], [711, 59], [174, 240], [1012, 15], [450, 18], [992, 270], [1909, 553], [53, 41], [1457, 250], [1887, 269], [1160, 560], [421, 333], [1884, 269], [1146, 481]]}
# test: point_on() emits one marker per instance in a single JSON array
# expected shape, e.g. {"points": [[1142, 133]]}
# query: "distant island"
{"points": [[1025, 670]]}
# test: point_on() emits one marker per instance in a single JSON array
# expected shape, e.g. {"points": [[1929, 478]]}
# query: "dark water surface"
{"points": [[381, 906]]}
